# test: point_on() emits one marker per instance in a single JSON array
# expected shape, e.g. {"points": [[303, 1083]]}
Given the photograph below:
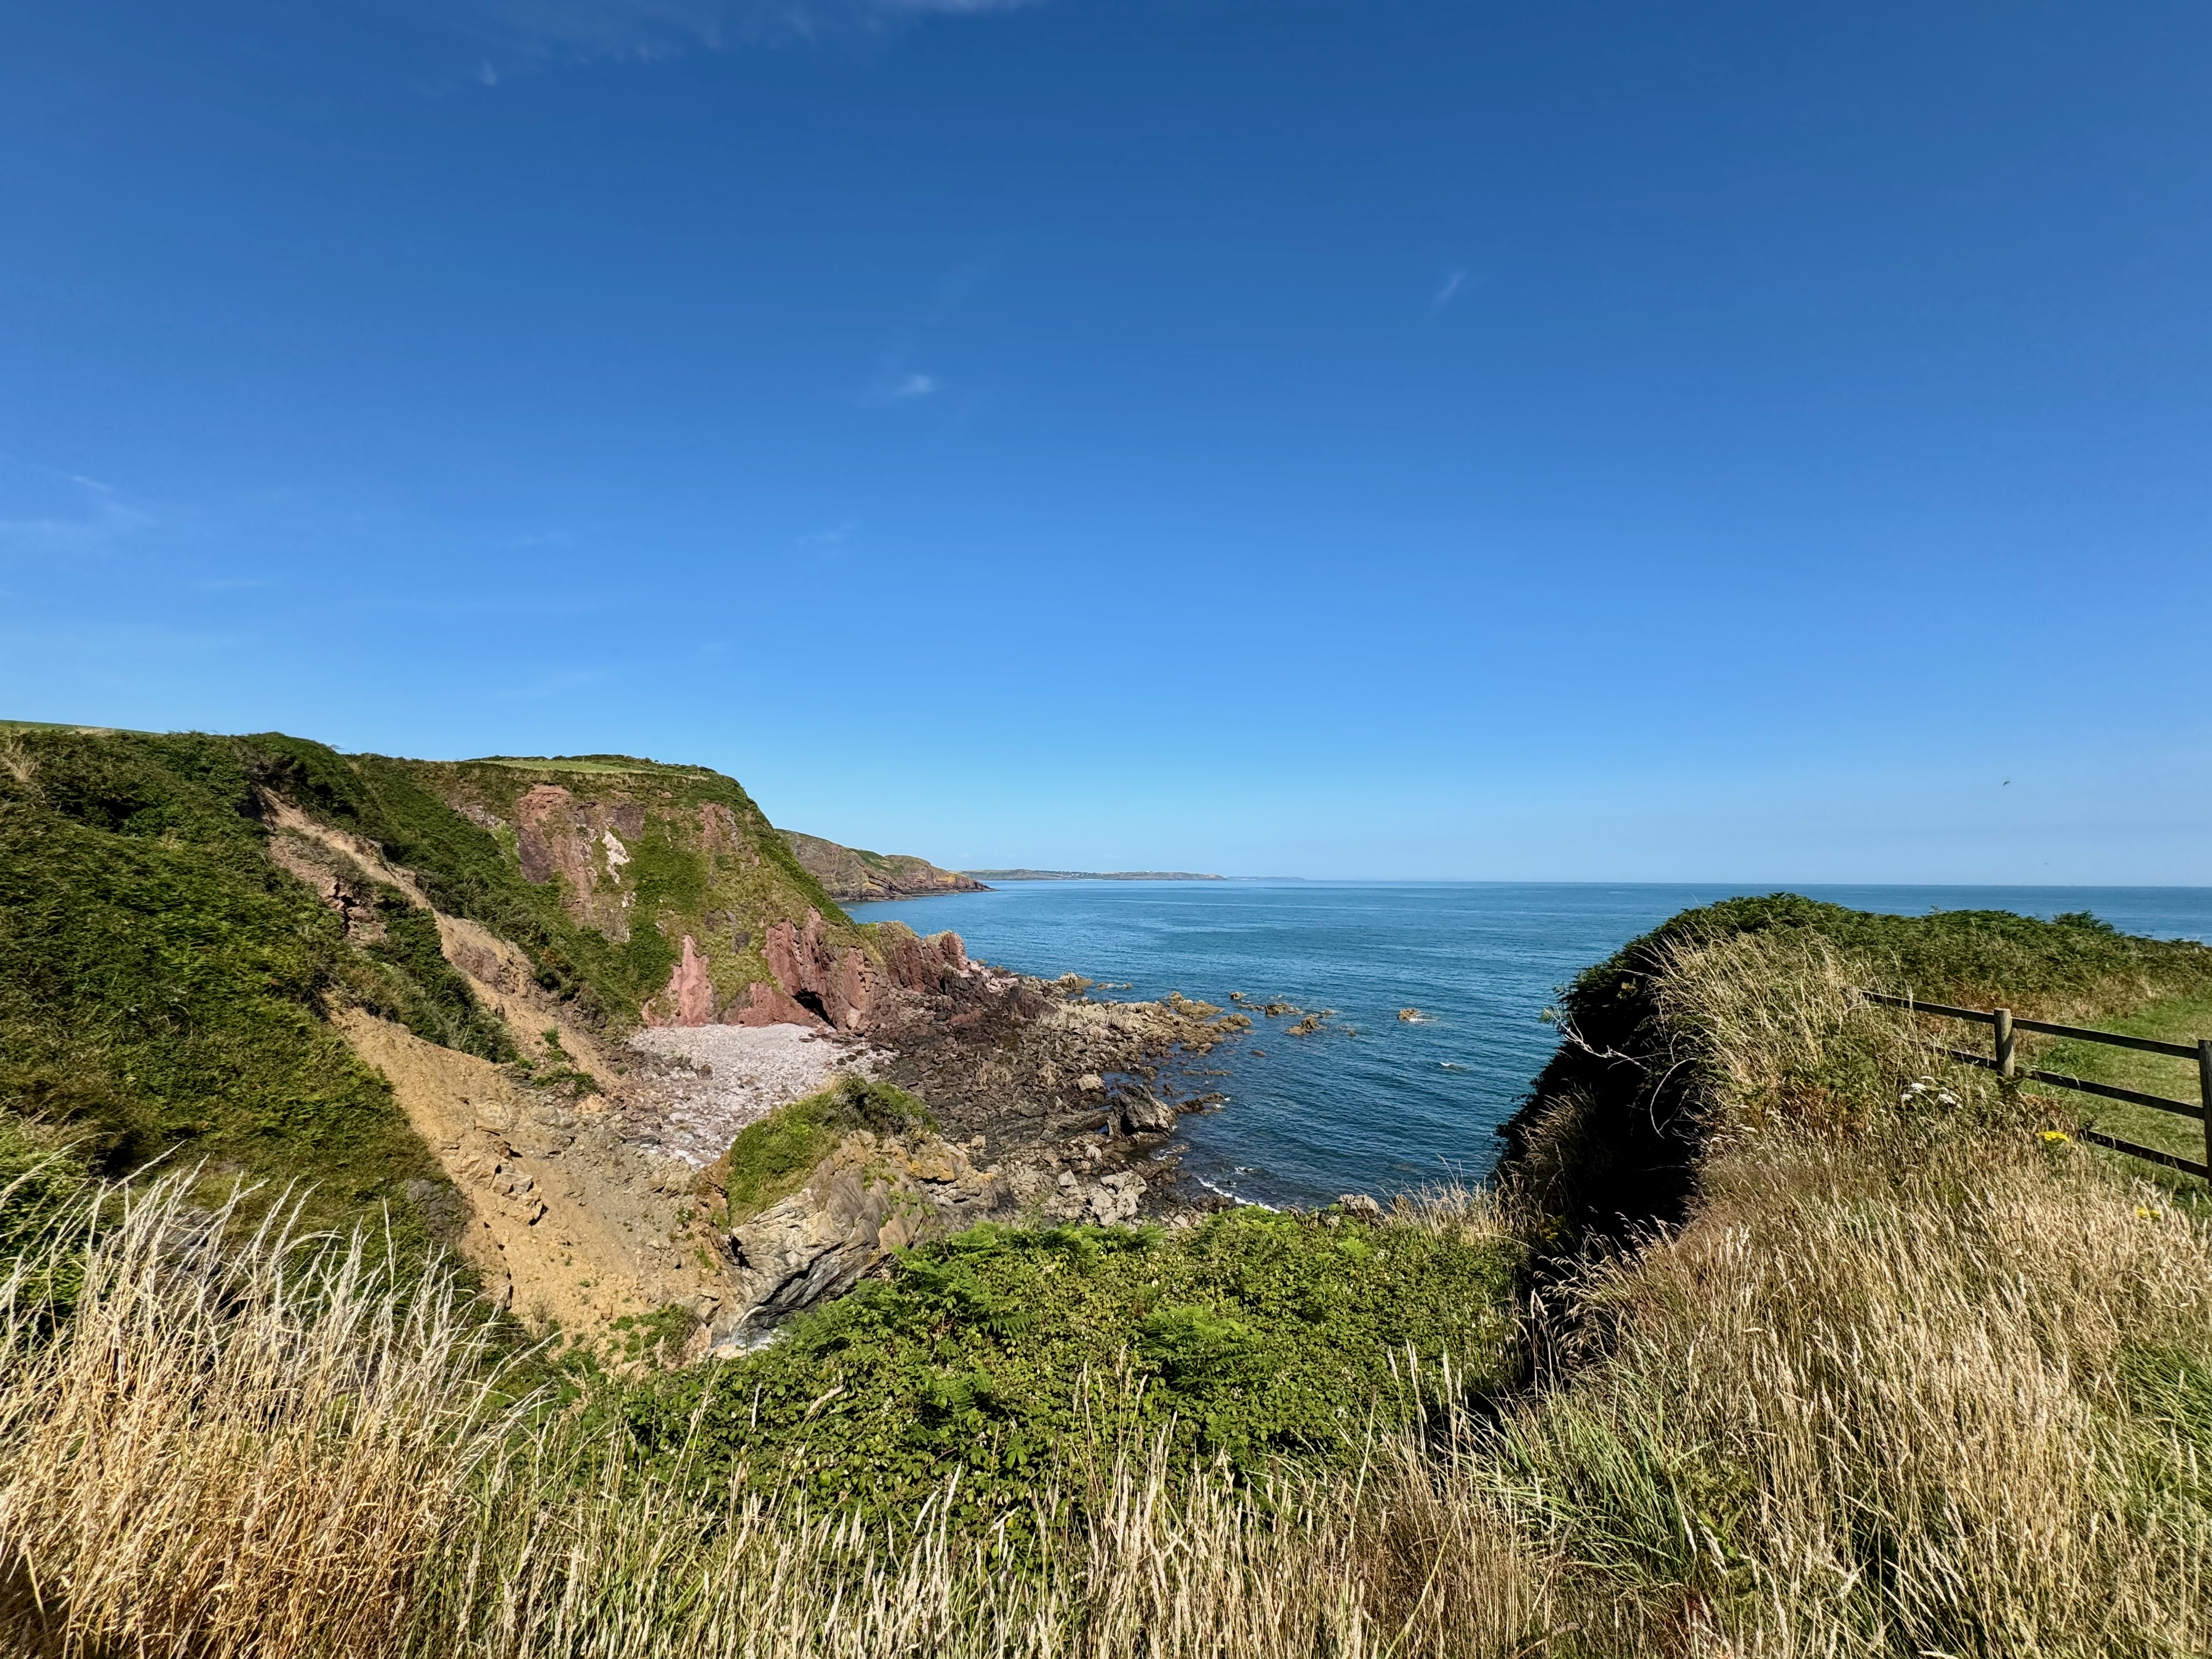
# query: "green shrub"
{"points": [[769, 1159], [434, 1002], [1010, 1354]]}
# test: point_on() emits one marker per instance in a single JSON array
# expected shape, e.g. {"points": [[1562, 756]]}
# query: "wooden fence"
{"points": [[2000, 1059]]}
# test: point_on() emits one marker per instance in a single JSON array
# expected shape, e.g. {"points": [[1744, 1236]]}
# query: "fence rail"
{"points": [[2003, 1061]]}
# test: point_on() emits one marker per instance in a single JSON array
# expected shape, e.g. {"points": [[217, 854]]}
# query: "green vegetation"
{"points": [[617, 764], [2170, 1019], [161, 981], [769, 1159], [1976, 958], [1009, 1355], [431, 1000]]}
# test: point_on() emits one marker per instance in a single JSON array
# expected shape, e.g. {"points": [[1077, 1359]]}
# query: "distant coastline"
{"points": [[1089, 875]]}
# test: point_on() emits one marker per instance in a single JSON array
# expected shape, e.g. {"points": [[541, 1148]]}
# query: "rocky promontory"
{"points": [[852, 875]]}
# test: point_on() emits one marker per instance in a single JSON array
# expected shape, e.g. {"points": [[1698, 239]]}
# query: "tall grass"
{"points": [[232, 1445], [1916, 1377], [265, 1444]]}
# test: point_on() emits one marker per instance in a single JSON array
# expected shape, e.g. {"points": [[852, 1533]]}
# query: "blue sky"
{"points": [[1746, 442]]}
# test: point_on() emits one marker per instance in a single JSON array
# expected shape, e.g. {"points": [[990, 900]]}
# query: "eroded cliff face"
{"points": [[716, 917], [586, 1171]]}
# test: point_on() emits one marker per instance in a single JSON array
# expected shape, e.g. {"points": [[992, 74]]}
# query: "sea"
{"points": [[1371, 1102]]}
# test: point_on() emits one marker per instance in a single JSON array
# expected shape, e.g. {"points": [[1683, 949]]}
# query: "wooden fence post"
{"points": [[2204, 1094], [2004, 1043]]}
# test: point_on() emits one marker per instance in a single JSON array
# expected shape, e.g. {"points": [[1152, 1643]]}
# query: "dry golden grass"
{"points": [[1896, 1388], [231, 1446], [263, 1446]]}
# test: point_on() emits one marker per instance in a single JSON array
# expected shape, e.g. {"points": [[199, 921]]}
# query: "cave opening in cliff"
{"points": [[812, 1001]]}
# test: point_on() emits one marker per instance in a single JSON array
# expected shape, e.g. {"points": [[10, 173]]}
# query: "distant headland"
{"points": [[1089, 875]]}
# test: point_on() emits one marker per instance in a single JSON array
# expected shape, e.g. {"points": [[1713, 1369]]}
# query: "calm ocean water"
{"points": [[1387, 1104]]}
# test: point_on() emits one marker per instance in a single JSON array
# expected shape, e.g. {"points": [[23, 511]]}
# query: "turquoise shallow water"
{"points": [[1388, 1104]]}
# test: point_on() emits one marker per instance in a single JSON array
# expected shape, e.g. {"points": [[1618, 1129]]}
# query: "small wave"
{"points": [[1452, 1066], [1234, 1198]]}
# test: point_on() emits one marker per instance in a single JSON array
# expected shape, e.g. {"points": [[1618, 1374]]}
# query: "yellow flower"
{"points": [[2056, 1136], [2146, 1215]]}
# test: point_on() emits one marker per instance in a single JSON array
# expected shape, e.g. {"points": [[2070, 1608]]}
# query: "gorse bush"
{"points": [[1250, 1337]]}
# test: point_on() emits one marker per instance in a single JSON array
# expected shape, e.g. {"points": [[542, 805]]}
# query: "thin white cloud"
{"points": [[1447, 293], [901, 388], [833, 538], [548, 686], [957, 286], [647, 30], [85, 535]]}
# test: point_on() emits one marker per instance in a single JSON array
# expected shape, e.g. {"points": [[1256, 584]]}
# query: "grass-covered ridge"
{"points": [[1905, 1321], [1620, 1116], [162, 984]]}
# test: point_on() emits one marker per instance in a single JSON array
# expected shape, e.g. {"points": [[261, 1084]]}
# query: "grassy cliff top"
{"points": [[573, 763]]}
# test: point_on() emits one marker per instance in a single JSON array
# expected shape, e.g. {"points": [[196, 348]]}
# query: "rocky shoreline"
{"points": [[1047, 1106]]}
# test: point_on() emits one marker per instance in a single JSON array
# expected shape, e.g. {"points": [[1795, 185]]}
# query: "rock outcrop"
{"points": [[872, 1196]]}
